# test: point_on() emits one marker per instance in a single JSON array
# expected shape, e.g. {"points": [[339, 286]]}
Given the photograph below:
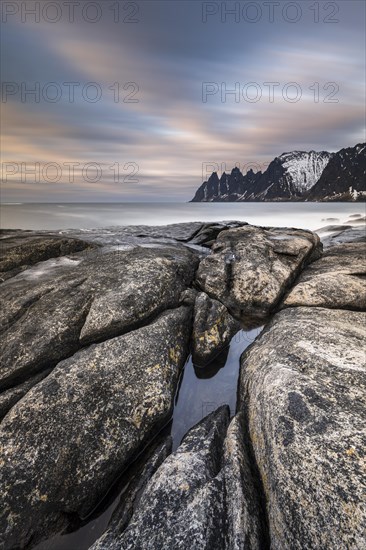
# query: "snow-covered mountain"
{"points": [[344, 178], [291, 176]]}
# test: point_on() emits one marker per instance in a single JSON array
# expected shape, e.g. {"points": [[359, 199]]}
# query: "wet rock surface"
{"points": [[65, 442], [341, 236], [25, 249], [337, 280], [302, 390], [189, 234], [251, 267], [213, 328]]}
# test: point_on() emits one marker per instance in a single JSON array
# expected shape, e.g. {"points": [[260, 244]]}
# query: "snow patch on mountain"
{"points": [[304, 168]]}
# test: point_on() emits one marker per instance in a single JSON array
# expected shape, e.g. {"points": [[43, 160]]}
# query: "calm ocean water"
{"points": [[92, 215]]}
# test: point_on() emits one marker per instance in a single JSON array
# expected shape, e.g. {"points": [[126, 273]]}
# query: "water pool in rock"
{"points": [[200, 391]]}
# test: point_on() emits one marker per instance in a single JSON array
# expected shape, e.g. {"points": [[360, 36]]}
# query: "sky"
{"points": [[116, 101]]}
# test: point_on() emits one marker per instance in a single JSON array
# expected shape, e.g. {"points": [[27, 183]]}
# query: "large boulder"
{"points": [[302, 389], [183, 503], [337, 280], [201, 497], [213, 328], [251, 267], [49, 314], [66, 441], [141, 284]]}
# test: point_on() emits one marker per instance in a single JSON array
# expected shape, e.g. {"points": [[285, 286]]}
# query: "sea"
{"points": [[304, 215]]}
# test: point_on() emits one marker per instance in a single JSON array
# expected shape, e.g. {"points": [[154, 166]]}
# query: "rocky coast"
{"points": [[97, 328]]}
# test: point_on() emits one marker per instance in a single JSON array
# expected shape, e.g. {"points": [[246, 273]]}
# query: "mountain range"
{"points": [[294, 176]]}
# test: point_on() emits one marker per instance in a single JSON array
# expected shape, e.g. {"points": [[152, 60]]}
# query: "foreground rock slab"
{"points": [[47, 315], [142, 283], [337, 280], [303, 391], [251, 267], [66, 441], [213, 328], [201, 497]]}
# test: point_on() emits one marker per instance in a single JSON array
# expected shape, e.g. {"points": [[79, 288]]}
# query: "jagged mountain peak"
{"points": [[294, 175]]}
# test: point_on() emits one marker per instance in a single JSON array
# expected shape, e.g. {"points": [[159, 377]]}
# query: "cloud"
{"points": [[170, 132]]}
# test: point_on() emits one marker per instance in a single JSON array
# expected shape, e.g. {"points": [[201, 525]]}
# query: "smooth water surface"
{"points": [[203, 390], [305, 215]]}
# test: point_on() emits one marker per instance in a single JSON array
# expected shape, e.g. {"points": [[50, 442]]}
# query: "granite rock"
{"points": [[251, 267], [48, 314], [337, 280], [65, 442], [213, 328], [201, 497], [9, 397], [130, 499], [141, 284], [302, 389]]}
